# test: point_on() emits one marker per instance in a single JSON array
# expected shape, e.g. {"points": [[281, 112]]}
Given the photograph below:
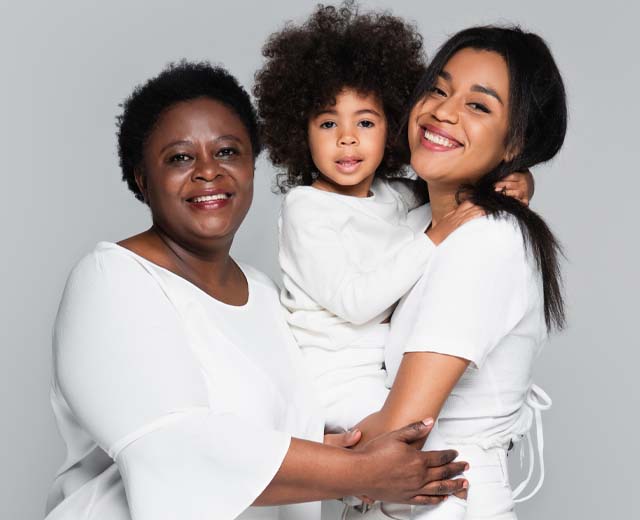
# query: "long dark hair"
{"points": [[537, 127]]}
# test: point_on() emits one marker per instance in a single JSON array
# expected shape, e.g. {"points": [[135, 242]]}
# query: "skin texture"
{"points": [[355, 129], [478, 122], [199, 147]]}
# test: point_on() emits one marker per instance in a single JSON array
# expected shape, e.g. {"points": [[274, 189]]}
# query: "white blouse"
{"points": [[480, 299], [171, 403]]}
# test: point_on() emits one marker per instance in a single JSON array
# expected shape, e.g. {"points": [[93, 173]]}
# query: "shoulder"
{"points": [[305, 207], [489, 235], [305, 198], [111, 273], [107, 260]]}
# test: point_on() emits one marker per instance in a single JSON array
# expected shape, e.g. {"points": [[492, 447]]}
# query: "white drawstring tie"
{"points": [[538, 400]]}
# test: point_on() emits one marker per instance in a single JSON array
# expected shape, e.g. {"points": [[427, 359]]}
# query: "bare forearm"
{"points": [[313, 471], [421, 387]]}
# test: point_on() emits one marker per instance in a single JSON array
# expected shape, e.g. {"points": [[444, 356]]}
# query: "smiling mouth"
{"points": [[440, 140], [349, 164], [211, 198]]}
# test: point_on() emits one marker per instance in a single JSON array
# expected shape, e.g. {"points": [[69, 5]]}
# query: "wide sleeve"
{"points": [[314, 255], [475, 291], [124, 367]]}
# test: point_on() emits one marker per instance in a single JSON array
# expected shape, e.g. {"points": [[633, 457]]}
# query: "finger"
{"points": [[507, 185], [343, 440], [415, 431], [445, 487], [447, 471], [433, 459], [516, 194], [427, 500], [513, 177]]}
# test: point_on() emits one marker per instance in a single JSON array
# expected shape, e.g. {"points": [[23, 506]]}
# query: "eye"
{"points": [[227, 151], [180, 158], [438, 92], [328, 124], [479, 107], [366, 123]]}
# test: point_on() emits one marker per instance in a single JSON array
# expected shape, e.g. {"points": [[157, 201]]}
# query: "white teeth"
{"points": [[208, 198], [438, 139]]}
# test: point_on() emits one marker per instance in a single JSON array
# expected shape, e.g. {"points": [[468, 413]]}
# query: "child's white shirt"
{"points": [[346, 261]]}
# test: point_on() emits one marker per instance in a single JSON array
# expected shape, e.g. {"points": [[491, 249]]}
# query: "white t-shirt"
{"points": [[347, 260], [480, 299], [183, 402]]}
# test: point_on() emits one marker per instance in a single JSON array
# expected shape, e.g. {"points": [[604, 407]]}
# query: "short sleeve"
{"points": [[124, 367], [474, 291]]}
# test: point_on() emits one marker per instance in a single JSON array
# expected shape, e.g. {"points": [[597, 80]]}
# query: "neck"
{"points": [[204, 266], [362, 189], [442, 200]]}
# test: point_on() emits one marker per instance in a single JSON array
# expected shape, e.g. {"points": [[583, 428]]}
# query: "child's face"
{"points": [[347, 142]]}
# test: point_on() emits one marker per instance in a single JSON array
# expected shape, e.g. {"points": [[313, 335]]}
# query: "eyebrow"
{"points": [[334, 112], [475, 88], [217, 139]]}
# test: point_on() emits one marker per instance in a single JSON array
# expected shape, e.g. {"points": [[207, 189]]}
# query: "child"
{"points": [[331, 96]]}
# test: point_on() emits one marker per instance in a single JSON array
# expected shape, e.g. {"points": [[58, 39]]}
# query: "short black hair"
{"points": [[308, 65], [536, 132], [178, 82]]}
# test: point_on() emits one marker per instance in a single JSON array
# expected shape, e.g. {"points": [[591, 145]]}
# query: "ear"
{"points": [[141, 181]]}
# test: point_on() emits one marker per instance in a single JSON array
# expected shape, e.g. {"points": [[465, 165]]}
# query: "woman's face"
{"points": [[197, 172], [457, 132]]}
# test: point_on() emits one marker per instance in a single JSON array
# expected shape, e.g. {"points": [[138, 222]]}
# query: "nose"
{"points": [[207, 169], [347, 138], [447, 111]]}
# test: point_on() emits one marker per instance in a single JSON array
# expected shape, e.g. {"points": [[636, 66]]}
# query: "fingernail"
{"points": [[445, 497], [427, 422], [465, 485], [466, 467]]}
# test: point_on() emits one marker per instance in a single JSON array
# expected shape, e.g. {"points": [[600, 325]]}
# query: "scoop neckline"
{"points": [[335, 194], [116, 246]]}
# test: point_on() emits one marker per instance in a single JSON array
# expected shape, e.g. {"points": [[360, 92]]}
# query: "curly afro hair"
{"points": [[178, 82], [308, 65]]}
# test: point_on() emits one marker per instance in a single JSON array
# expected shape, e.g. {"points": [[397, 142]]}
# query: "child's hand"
{"points": [[453, 220], [518, 185], [343, 440]]}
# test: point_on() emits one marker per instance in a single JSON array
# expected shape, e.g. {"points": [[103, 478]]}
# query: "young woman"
{"points": [[463, 341]]}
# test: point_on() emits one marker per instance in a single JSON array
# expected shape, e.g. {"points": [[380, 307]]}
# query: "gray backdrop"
{"points": [[65, 68]]}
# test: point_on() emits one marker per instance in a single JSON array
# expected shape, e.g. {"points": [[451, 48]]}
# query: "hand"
{"points": [[519, 185], [453, 220], [343, 440], [397, 472]]}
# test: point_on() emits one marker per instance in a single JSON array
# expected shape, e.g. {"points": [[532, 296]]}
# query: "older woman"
{"points": [[177, 386]]}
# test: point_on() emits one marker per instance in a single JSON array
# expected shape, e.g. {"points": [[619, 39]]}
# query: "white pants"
{"points": [[489, 498]]}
